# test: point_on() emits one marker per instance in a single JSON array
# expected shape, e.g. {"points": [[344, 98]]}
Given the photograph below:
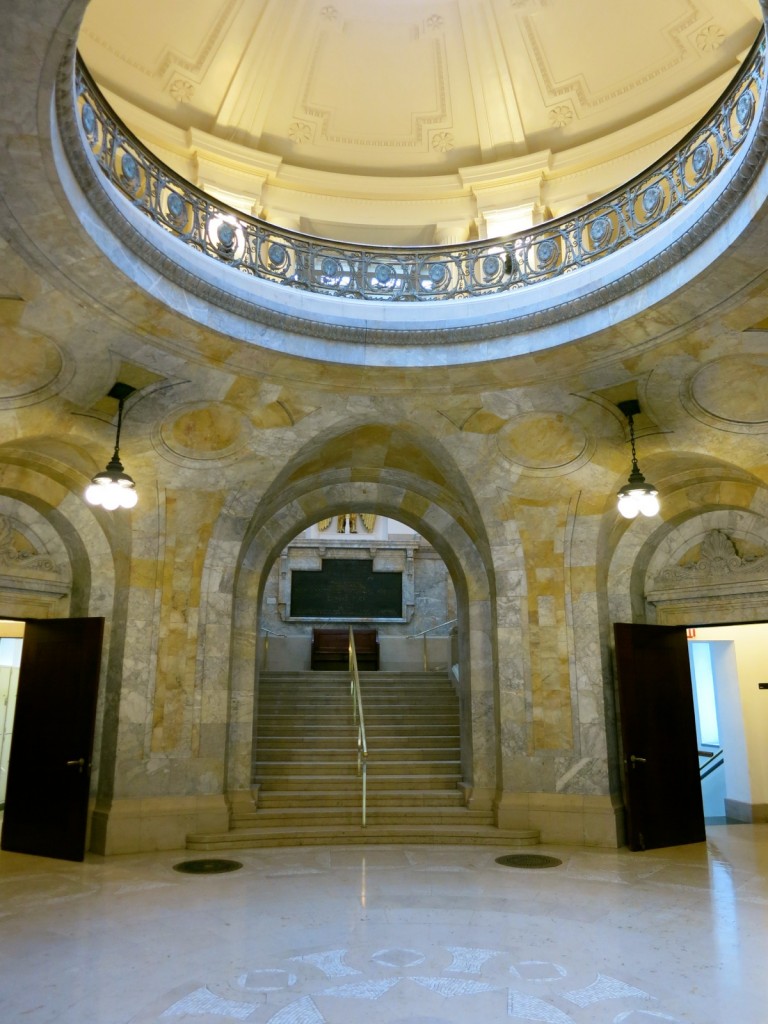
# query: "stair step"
{"points": [[304, 773], [310, 816], [269, 746], [376, 782], [383, 706], [454, 834], [433, 798], [343, 687], [281, 752], [275, 675], [291, 731], [381, 720]]}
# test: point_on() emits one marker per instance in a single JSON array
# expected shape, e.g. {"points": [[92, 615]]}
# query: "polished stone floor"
{"points": [[392, 935]]}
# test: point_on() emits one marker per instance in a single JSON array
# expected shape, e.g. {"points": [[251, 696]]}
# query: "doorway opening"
{"points": [[49, 764], [11, 640], [363, 570], [729, 674]]}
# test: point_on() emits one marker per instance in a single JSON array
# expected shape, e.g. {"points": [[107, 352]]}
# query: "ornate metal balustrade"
{"points": [[429, 273]]}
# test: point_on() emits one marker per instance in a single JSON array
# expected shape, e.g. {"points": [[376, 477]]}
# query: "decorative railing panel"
{"points": [[551, 250]]}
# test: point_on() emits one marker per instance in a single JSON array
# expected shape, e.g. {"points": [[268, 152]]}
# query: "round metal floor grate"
{"points": [[528, 860], [207, 866]]}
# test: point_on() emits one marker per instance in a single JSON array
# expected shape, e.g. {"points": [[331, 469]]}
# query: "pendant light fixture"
{"points": [[637, 495], [113, 488]]}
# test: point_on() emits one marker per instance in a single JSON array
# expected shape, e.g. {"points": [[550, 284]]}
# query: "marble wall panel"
{"points": [[542, 532]]}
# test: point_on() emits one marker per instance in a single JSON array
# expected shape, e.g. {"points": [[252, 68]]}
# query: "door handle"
{"points": [[637, 760], [79, 764]]}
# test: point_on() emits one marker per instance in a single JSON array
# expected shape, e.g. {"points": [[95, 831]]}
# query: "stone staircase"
{"points": [[306, 769]]}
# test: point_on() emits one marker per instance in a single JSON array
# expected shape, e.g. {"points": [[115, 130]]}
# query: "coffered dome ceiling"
{"points": [[413, 121]]}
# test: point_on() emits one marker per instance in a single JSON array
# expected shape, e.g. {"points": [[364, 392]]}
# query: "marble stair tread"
{"points": [[351, 798], [340, 835], [331, 768], [267, 817], [334, 783], [381, 755], [320, 728], [337, 675]]}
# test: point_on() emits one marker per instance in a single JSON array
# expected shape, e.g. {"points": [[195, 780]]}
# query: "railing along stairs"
{"points": [[357, 703], [710, 761], [267, 634], [423, 636]]}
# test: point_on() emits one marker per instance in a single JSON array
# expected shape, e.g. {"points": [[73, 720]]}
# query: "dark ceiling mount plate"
{"points": [[528, 860], [207, 866]]}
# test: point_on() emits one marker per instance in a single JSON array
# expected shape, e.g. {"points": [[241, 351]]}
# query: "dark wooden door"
{"points": [[46, 803], [658, 733]]}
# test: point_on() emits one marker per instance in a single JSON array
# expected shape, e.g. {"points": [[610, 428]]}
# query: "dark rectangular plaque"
{"points": [[346, 588]]}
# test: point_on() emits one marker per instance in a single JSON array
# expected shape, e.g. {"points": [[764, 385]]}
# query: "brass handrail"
{"points": [[423, 633], [357, 704], [415, 636]]}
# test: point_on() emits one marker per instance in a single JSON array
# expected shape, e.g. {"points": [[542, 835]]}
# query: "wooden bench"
{"points": [[330, 649]]}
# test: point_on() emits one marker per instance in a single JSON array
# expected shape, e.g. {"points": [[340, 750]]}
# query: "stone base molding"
{"points": [[155, 823], [564, 817], [741, 811]]}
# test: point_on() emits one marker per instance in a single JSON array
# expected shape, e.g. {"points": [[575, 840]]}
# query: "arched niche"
{"points": [[35, 567], [710, 567]]}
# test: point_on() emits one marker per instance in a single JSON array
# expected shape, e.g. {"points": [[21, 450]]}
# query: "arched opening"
{"points": [[392, 756], [431, 504]]}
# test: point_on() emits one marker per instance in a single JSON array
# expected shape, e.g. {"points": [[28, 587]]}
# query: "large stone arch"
{"points": [[390, 470]]}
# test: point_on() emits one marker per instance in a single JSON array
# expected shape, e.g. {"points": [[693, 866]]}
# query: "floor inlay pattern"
{"points": [[509, 989]]}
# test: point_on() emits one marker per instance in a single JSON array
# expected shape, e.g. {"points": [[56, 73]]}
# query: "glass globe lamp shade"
{"points": [[112, 488], [628, 506], [649, 503], [636, 498]]}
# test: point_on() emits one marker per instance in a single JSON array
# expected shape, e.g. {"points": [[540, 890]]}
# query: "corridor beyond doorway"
{"points": [[728, 664]]}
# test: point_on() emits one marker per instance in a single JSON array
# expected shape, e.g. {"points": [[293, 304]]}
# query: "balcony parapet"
{"points": [[652, 221]]}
